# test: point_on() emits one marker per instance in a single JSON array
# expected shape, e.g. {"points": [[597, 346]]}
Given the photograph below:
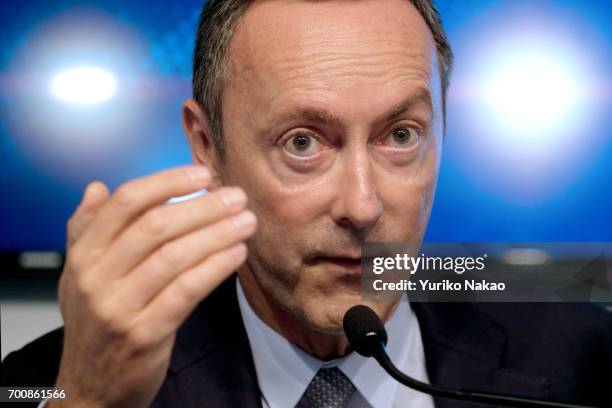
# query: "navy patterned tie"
{"points": [[330, 388]]}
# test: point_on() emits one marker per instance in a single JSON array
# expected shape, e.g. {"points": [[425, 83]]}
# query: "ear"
{"points": [[197, 129]]}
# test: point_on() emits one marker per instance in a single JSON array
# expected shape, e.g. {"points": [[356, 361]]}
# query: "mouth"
{"points": [[352, 264]]}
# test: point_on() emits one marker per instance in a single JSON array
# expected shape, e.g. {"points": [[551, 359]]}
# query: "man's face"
{"points": [[332, 121]]}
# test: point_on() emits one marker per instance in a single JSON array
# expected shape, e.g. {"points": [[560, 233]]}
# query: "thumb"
{"points": [[95, 195]]}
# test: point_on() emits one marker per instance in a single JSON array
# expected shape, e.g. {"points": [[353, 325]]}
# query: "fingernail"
{"points": [[199, 173], [233, 196], [245, 219]]}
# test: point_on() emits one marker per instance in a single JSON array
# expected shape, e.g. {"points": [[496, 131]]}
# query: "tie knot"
{"points": [[330, 388]]}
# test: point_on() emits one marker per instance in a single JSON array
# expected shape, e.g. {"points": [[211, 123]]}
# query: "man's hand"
{"points": [[135, 269]]}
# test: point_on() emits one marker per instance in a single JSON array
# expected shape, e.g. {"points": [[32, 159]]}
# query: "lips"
{"points": [[344, 262]]}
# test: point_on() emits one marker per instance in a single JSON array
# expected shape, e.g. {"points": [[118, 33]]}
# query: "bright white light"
{"points": [[83, 85], [533, 93], [527, 100]]}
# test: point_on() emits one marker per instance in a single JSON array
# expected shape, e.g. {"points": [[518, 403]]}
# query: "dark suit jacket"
{"points": [[549, 351]]}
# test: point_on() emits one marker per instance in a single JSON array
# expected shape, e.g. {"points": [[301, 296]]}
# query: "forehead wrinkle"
{"points": [[297, 76], [322, 81], [354, 64], [324, 52], [337, 68]]}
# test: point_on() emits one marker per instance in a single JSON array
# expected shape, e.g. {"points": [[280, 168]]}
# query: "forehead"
{"points": [[351, 57], [281, 35]]}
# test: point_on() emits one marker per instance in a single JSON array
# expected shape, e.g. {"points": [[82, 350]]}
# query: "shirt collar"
{"points": [[284, 370]]}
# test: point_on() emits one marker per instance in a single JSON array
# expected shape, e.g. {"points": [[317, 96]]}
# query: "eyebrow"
{"points": [[315, 115], [310, 115], [422, 96]]}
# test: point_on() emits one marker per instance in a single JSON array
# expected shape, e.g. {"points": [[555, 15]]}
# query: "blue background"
{"points": [[557, 188]]}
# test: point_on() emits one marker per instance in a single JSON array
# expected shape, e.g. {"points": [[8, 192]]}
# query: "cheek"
{"points": [[280, 205], [285, 233], [287, 217], [407, 212], [408, 200], [287, 214]]}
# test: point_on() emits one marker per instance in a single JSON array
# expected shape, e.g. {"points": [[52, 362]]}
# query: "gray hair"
{"points": [[216, 26]]}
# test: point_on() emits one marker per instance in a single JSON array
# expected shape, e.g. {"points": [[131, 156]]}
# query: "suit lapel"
{"points": [[464, 349], [211, 364]]}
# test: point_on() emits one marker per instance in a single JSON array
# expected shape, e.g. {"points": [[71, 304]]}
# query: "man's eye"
{"points": [[404, 137], [302, 145]]}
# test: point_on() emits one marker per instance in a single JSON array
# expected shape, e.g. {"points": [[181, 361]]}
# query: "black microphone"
{"points": [[366, 333]]}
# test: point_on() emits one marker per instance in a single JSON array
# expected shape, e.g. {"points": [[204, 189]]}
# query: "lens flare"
{"points": [[534, 94], [84, 85]]}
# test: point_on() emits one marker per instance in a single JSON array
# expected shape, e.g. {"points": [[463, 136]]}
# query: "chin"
{"points": [[326, 313]]}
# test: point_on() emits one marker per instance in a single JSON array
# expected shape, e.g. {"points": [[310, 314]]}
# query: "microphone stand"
{"points": [[380, 354]]}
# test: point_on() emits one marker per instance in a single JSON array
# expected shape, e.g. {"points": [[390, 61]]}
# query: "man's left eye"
{"points": [[403, 137], [302, 145]]}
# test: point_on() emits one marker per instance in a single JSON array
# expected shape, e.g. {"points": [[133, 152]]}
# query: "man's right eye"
{"points": [[302, 144]]}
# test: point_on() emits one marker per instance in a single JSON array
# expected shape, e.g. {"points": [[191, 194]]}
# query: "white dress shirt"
{"points": [[284, 370]]}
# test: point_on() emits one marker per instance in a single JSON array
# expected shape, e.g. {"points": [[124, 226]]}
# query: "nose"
{"points": [[357, 202]]}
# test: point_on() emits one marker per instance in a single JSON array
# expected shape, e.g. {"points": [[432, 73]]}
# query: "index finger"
{"points": [[94, 196], [136, 196]]}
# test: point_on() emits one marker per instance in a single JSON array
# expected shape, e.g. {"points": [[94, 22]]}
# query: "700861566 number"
{"points": [[24, 394]]}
